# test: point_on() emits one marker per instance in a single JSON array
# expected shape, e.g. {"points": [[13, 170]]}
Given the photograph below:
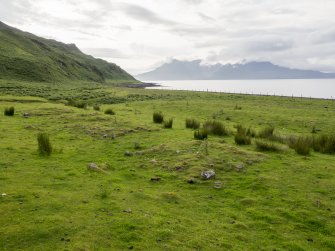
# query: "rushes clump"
{"points": [[269, 146], [201, 134], [266, 133], [242, 137], [216, 128], [192, 123], [168, 123], [324, 144], [44, 145], [109, 111], [9, 111], [158, 117], [301, 144]]}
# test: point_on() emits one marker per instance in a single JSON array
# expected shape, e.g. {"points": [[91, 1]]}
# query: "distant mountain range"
{"points": [[24, 56], [194, 70]]}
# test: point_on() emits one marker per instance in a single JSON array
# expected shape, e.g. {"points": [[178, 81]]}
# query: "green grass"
{"points": [[267, 200]]}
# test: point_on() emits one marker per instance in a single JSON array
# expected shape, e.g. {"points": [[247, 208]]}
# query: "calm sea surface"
{"points": [[315, 88]]}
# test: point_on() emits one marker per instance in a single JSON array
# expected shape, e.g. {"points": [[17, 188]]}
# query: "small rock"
{"points": [[209, 174], [93, 167], [128, 154], [250, 162], [26, 115], [239, 167], [3, 194], [129, 211], [191, 181], [179, 168], [105, 136], [217, 184], [177, 152], [131, 247], [156, 179]]}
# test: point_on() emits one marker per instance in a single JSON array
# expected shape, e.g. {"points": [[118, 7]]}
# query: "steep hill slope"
{"points": [[24, 56]]}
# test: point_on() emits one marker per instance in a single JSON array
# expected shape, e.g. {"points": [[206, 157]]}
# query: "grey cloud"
{"points": [[205, 17], [105, 52], [144, 14], [269, 45], [323, 36]]}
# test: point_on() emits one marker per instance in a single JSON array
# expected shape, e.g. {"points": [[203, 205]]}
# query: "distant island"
{"points": [[194, 70]]}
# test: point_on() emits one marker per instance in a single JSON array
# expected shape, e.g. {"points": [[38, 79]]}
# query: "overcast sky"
{"points": [[139, 35]]}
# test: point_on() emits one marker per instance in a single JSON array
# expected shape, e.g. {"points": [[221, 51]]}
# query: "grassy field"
{"points": [[148, 193]]}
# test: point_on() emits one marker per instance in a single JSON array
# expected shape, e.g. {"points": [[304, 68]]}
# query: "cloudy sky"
{"points": [[139, 35]]}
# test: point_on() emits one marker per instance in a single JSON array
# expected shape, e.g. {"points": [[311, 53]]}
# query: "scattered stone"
{"points": [[191, 181], [156, 179], [177, 152], [105, 136], [129, 211], [239, 167], [26, 115], [217, 184], [250, 162], [128, 154], [93, 167], [209, 174], [179, 168], [3, 194]]}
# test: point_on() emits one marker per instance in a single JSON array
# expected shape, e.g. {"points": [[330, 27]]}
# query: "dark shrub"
{"points": [[9, 111], [192, 123], [44, 145], [201, 134], [266, 132], [237, 107], [158, 117], [96, 108], [77, 103], [215, 128], [109, 111], [168, 124], [269, 146]]}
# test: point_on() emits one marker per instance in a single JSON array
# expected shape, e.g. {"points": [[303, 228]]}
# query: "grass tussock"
{"points": [[9, 111], [192, 123], [215, 128], [301, 144], [158, 117], [201, 134], [242, 137], [109, 111], [266, 133], [324, 144], [269, 146], [44, 145], [168, 124]]}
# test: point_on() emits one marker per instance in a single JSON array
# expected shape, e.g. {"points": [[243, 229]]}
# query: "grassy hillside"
{"points": [[258, 200], [24, 56]]}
